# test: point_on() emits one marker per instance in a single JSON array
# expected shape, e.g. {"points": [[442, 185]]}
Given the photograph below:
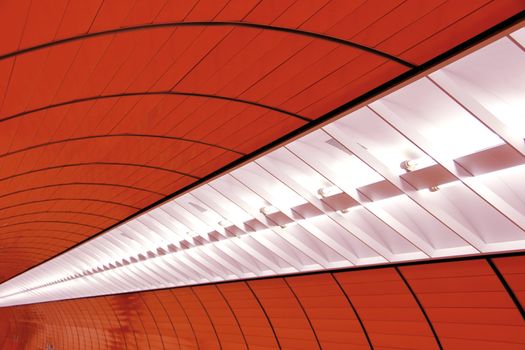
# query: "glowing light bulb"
{"points": [[408, 165], [224, 223], [328, 191], [268, 210]]}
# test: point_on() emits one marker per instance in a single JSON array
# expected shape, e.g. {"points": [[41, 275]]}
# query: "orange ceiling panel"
{"points": [[465, 302], [107, 107]]}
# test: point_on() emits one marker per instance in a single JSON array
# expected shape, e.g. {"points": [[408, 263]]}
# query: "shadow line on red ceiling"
{"points": [[155, 93], [73, 199], [214, 24], [51, 222], [60, 211], [82, 184]]}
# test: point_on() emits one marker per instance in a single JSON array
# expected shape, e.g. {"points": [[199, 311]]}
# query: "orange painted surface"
{"points": [[464, 301], [387, 309], [467, 305], [514, 271], [91, 128]]}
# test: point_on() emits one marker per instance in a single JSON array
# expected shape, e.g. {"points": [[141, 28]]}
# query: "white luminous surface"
{"points": [[433, 169]]}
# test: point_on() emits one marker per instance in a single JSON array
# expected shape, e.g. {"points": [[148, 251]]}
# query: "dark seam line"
{"points": [[354, 310], [169, 318], [95, 16], [209, 318], [141, 297], [58, 313], [190, 11], [515, 42], [141, 321], [155, 93], [165, 137], [448, 26], [187, 318], [8, 85], [200, 60], [286, 60], [81, 184], [319, 121], [26, 254], [247, 284], [41, 231], [92, 339], [107, 337], [57, 212], [215, 24], [304, 312], [33, 251], [117, 316], [420, 307], [507, 287], [50, 222], [70, 165], [70, 199], [12, 335], [233, 314]]}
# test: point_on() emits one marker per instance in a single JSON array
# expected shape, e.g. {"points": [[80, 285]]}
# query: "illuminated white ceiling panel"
{"points": [[433, 169]]}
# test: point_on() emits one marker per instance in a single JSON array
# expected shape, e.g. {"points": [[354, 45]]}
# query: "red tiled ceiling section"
{"points": [[103, 111], [464, 301]]}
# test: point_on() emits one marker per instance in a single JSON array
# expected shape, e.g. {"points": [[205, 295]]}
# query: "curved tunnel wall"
{"points": [[461, 304], [107, 107]]}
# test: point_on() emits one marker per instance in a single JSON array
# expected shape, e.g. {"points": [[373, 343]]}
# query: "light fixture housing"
{"points": [[393, 216], [328, 191]]}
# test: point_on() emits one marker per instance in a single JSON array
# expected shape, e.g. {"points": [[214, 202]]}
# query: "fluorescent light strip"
{"points": [[433, 169]]}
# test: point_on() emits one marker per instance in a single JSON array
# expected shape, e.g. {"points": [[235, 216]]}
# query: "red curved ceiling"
{"points": [[461, 304], [109, 106]]}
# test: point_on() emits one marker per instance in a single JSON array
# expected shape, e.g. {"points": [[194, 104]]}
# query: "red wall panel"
{"points": [[513, 270], [253, 320], [288, 319], [330, 313], [226, 325], [468, 304], [388, 310], [204, 329]]}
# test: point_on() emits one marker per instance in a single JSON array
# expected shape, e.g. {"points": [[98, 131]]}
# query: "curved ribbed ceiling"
{"points": [[107, 107]]}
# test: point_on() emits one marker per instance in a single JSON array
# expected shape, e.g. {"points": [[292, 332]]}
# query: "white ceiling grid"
{"points": [[433, 169]]}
